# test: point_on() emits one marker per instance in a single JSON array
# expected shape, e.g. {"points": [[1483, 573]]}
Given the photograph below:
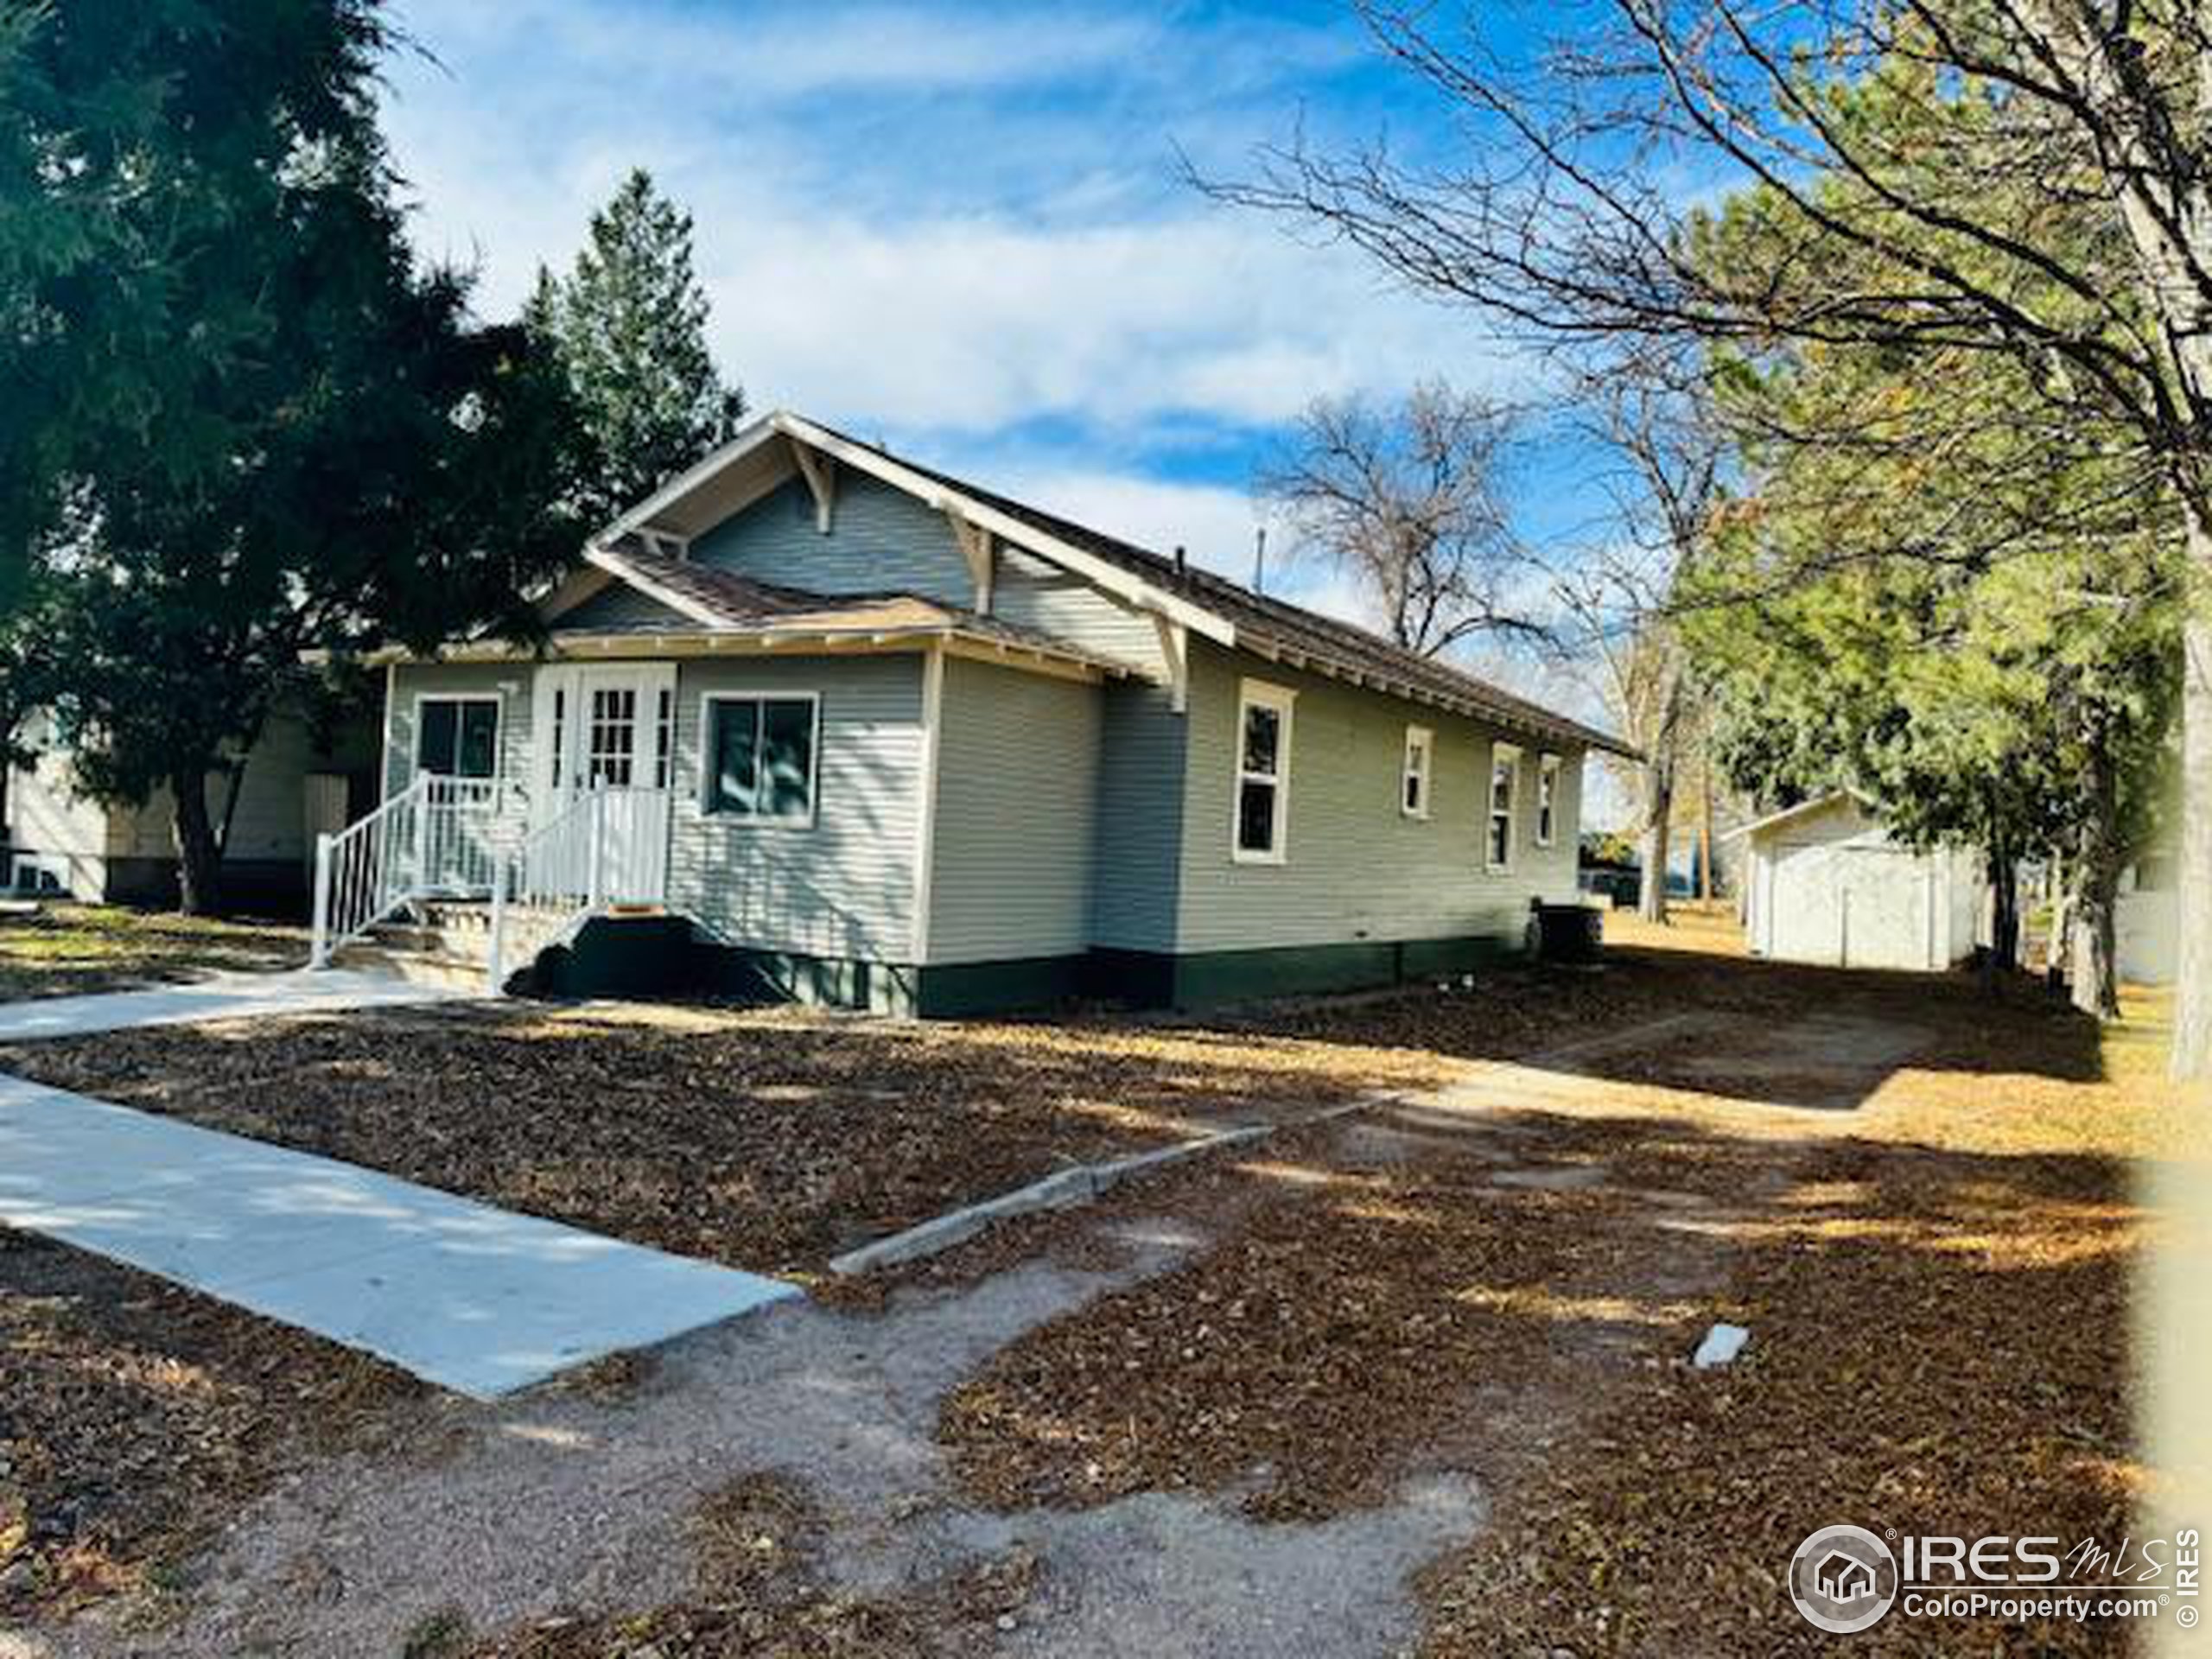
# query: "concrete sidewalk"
{"points": [[218, 996], [475, 1298]]}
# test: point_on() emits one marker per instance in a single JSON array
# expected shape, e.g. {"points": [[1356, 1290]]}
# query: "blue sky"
{"points": [[959, 227]]}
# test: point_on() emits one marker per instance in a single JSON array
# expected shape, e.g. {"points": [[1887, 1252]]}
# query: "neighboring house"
{"points": [[881, 737], [61, 840], [1825, 883]]}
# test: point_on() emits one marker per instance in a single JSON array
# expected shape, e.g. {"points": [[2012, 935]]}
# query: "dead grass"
{"points": [[768, 1140], [1937, 1274], [137, 1417], [66, 949]]}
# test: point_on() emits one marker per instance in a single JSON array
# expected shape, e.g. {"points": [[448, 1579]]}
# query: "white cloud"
{"points": [[961, 267]]}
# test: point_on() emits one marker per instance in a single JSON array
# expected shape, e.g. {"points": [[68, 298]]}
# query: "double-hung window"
{"points": [[1547, 798], [1412, 785], [1263, 826], [761, 755], [1504, 783], [457, 737]]}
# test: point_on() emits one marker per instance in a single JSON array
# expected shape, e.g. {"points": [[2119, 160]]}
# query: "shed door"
{"points": [[1884, 904]]}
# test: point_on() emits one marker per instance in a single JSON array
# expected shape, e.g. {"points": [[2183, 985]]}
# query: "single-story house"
{"points": [[879, 737], [1826, 883], [299, 781]]}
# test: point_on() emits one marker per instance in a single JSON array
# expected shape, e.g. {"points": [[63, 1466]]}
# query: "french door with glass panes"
{"points": [[612, 728]]}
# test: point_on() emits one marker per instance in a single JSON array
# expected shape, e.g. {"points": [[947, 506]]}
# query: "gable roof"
{"points": [[1809, 808], [1209, 605]]}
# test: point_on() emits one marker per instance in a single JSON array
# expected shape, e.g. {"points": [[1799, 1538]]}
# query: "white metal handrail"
{"points": [[561, 866], [365, 872]]}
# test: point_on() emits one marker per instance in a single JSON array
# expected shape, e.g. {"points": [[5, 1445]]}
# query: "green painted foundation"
{"points": [[664, 956]]}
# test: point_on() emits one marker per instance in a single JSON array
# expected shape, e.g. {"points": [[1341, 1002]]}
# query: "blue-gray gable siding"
{"points": [[1017, 788], [619, 606], [883, 540], [1138, 842]]}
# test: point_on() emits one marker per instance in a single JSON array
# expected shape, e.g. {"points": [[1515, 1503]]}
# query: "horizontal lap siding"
{"points": [[618, 606], [1357, 868], [510, 682], [882, 540], [844, 887], [1017, 789], [270, 822], [1137, 859]]}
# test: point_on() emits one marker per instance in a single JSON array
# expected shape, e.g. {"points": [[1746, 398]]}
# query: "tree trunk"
{"points": [[2192, 1044], [199, 858], [2004, 910], [2096, 878], [1705, 834], [1652, 845]]}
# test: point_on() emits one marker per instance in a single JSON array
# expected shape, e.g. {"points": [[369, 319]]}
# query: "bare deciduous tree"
{"points": [[1577, 210], [1619, 597], [1405, 500]]}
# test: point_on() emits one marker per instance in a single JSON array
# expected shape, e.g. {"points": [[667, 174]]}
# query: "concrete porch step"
{"points": [[414, 965]]}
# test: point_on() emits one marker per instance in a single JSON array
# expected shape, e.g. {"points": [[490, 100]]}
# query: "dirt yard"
{"points": [[64, 950], [1414, 1378]]}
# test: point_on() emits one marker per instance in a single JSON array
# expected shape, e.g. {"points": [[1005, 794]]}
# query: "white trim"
{"points": [[926, 825], [611, 561], [499, 702], [384, 753], [1262, 694], [1425, 737], [701, 793], [1509, 755], [690, 478], [1175, 648], [1547, 771]]}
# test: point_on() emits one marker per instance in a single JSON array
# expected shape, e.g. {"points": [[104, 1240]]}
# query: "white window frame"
{"points": [[1421, 740], [704, 796], [1508, 755], [1250, 695], [499, 733], [1548, 768]]}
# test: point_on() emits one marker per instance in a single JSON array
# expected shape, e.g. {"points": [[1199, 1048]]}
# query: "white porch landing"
{"points": [[474, 1298]]}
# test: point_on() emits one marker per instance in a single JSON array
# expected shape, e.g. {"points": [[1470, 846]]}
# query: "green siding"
{"points": [[844, 886], [510, 682], [1017, 785], [1357, 869]]}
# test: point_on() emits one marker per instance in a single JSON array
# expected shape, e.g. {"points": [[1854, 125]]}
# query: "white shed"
{"points": [[1825, 883]]}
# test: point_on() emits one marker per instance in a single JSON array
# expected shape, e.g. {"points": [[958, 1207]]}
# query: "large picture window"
{"points": [[1504, 785], [1262, 827], [457, 737], [760, 754]]}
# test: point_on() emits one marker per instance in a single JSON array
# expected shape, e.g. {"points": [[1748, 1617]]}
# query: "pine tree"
{"points": [[629, 323]]}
